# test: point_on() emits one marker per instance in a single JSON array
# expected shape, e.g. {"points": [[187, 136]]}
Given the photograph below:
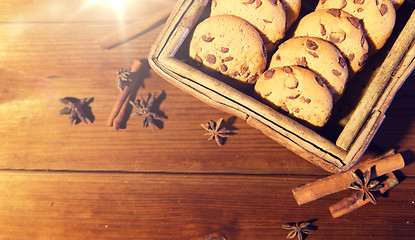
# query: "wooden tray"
{"points": [[355, 119]]}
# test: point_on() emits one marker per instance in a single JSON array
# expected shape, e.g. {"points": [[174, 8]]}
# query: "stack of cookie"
{"points": [[320, 72], [307, 73], [333, 42], [238, 35]]}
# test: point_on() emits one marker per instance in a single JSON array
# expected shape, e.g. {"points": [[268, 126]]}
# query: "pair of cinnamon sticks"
{"points": [[348, 204], [119, 110], [338, 182]]}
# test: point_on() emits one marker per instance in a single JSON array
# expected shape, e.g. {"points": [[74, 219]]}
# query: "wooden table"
{"points": [[89, 181]]}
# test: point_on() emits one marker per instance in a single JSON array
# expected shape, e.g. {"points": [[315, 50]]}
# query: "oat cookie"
{"points": [[378, 18], [340, 28], [230, 45], [292, 10], [298, 91], [268, 16], [318, 55]]}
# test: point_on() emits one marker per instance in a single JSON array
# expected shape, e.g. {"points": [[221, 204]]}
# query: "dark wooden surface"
{"points": [[89, 181]]}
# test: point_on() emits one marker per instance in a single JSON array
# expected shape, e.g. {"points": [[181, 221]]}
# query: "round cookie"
{"points": [[397, 3], [268, 16], [230, 45], [340, 28], [378, 18], [315, 54], [298, 91], [292, 10]]}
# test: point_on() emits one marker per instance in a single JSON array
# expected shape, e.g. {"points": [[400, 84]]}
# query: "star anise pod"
{"points": [[365, 186], [298, 229], [75, 109], [145, 109], [123, 78], [216, 131]]}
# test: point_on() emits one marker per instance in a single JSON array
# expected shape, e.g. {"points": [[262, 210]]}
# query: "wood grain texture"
{"points": [[65, 61], [42, 62], [68, 205], [100, 11], [34, 136], [88, 181]]}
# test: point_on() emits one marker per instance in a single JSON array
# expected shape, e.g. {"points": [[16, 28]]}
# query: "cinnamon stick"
{"points": [[348, 204], [119, 119], [133, 29], [118, 105], [119, 109], [338, 182]]}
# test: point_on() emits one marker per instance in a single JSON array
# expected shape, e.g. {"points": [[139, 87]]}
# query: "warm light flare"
{"points": [[116, 4]]}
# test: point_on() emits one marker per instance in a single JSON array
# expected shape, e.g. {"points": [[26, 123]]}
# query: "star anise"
{"points": [[145, 109], [216, 131], [298, 229], [123, 78], [75, 109], [365, 186]]}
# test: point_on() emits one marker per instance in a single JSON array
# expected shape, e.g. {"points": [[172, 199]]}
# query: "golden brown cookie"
{"points": [[378, 18], [230, 45], [298, 91], [268, 16], [397, 3], [315, 54], [292, 10], [340, 28]]}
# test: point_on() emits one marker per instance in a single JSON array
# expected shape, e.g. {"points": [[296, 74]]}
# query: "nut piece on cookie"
{"points": [[231, 46], [340, 28], [267, 16], [318, 55], [377, 16], [298, 91]]}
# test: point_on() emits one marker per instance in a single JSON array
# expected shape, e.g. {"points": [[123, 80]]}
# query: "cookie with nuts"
{"points": [[378, 18], [318, 55], [231, 46], [298, 91], [340, 28], [267, 16]]}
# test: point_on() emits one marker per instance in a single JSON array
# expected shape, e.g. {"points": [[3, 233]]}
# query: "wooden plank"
{"points": [[135, 28], [65, 205], [19, 11], [45, 62], [68, 49], [34, 136], [50, 61], [143, 189]]}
